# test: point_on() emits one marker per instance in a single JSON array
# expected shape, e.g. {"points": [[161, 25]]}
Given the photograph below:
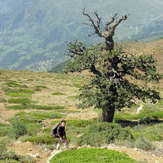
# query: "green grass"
{"points": [[91, 155], [4, 128], [42, 139], [17, 94], [39, 107], [151, 132], [13, 83], [20, 101], [2, 100], [35, 116], [9, 90], [58, 93], [149, 110]]}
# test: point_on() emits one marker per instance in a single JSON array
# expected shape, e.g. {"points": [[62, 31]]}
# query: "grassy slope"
{"points": [[42, 86]]}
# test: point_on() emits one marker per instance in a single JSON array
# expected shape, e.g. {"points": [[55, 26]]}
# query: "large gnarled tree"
{"points": [[119, 77]]}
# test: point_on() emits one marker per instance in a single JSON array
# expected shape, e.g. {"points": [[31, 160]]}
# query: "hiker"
{"points": [[61, 135]]}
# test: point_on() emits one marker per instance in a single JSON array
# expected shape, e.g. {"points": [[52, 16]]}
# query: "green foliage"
{"points": [[13, 83], [91, 155], [18, 95], [39, 107], [21, 101], [7, 155], [2, 100], [144, 144], [104, 133], [75, 123], [4, 128], [150, 112], [17, 129], [58, 93], [9, 90], [151, 132], [110, 88], [43, 139], [35, 116]]}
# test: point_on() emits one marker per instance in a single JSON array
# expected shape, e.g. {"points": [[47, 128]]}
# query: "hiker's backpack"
{"points": [[54, 130]]}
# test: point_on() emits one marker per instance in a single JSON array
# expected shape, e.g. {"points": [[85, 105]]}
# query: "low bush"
{"points": [[144, 144], [39, 87], [39, 107], [43, 139], [104, 133], [9, 90], [149, 120], [91, 155], [13, 83], [35, 116], [58, 93], [4, 128], [76, 123], [151, 132], [20, 101], [2, 100], [17, 129]]}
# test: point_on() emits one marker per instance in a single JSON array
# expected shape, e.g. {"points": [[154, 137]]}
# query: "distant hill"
{"points": [[33, 32]]}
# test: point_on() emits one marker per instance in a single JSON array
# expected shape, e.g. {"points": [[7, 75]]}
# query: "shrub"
{"points": [[21, 101], [43, 139], [4, 128], [2, 100], [91, 155], [144, 144], [17, 129], [104, 133], [13, 83], [7, 155], [58, 93], [149, 120], [35, 116]]}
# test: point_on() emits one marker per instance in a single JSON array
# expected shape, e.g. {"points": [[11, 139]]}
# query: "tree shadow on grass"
{"points": [[143, 121]]}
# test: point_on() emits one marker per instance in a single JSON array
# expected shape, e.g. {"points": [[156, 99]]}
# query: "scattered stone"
{"points": [[136, 149], [29, 149], [37, 155], [105, 148]]}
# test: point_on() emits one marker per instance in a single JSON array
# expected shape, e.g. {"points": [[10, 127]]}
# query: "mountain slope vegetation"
{"points": [[33, 32]]}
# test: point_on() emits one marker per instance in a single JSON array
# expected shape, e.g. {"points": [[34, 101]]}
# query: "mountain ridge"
{"points": [[33, 33]]}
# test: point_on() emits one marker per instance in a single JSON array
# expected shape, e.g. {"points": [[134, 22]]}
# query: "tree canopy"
{"points": [[119, 77]]}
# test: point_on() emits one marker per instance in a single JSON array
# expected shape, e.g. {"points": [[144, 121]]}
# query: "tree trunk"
{"points": [[107, 115], [109, 44]]}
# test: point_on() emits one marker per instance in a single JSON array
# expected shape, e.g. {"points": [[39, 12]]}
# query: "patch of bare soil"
{"points": [[27, 148], [140, 155]]}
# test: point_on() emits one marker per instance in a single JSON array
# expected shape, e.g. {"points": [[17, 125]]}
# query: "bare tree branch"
{"points": [[112, 29], [110, 22], [96, 28]]}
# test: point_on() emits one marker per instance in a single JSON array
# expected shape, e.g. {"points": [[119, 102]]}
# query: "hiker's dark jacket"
{"points": [[61, 130]]}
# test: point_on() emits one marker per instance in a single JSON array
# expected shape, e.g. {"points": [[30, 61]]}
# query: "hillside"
{"points": [[33, 32], [38, 100]]}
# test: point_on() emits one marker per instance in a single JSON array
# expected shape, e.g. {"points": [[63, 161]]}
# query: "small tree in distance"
{"points": [[119, 77]]}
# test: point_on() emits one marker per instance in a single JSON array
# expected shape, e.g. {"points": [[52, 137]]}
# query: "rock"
{"points": [[156, 161], [136, 149], [37, 155], [29, 149], [104, 148]]}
